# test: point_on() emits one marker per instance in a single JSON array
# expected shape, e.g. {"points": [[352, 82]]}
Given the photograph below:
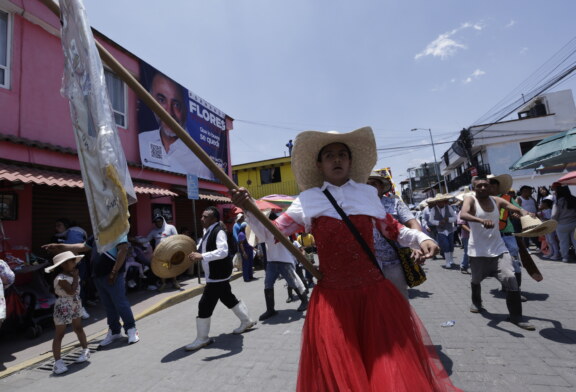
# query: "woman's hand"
{"points": [[240, 197], [430, 248]]}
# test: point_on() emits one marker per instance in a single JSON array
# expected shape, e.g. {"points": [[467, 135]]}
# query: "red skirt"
{"points": [[367, 338]]}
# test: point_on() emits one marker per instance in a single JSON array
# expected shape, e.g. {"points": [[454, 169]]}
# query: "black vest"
{"points": [[222, 268]]}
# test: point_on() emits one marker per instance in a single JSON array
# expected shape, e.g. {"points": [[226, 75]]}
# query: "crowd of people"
{"points": [[348, 342]]}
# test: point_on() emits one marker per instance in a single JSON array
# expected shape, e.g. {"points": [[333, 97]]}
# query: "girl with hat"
{"points": [[68, 307], [360, 333]]}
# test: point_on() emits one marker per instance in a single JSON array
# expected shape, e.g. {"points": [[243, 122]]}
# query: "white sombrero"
{"points": [[61, 258], [534, 227], [170, 257], [308, 144], [441, 197], [504, 181]]}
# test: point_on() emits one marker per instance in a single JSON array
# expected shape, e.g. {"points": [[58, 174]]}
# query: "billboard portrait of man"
{"points": [[160, 147]]}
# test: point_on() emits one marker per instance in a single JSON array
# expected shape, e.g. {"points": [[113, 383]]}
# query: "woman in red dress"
{"points": [[360, 333]]}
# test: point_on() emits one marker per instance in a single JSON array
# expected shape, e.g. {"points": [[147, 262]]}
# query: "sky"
{"points": [[279, 67]]}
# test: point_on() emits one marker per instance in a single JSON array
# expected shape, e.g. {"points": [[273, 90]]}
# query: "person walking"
{"points": [[564, 211], [443, 219], [67, 308], [160, 231], [360, 333], [108, 276], [217, 264], [488, 254]]}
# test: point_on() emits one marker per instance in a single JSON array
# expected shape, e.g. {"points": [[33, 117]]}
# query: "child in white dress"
{"points": [[68, 307]]}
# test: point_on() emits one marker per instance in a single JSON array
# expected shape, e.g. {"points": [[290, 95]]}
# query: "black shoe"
{"points": [[267, 314], [464, 271], [291, 298]]}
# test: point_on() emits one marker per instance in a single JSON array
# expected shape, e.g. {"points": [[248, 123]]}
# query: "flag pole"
{"points": [[145, 96]]}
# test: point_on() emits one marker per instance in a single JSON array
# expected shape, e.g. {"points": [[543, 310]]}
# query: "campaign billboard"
{"points": [[160, 147]]}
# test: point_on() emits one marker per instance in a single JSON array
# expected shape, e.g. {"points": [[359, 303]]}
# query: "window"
{"points": [[117, 94], [5, 38], [8, 206], [527, 146], [271, 175]]}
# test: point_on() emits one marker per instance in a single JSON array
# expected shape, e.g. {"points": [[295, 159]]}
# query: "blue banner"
{"points": [[160, 147]]}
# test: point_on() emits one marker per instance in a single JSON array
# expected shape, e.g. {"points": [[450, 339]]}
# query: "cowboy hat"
{"points": [[308, 144], [170, 257], [504, 182], [61, 258], [533, 227], [461, 195], [384, 180]]}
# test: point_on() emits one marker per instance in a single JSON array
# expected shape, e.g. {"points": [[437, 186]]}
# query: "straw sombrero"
{"points": [[534, 227], [504, 181], [308, 144], [384, 180], [61, 258], [441, 197], [170, 257], [462, 195]]}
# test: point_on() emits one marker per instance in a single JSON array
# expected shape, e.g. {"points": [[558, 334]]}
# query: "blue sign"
{"points": [[192, 185]]}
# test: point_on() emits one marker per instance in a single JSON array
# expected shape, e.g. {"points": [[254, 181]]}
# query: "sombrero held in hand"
{"points": [[170, 257], [534, 227]]}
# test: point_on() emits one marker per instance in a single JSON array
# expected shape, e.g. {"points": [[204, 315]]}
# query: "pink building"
{"points": [[40, 177]]}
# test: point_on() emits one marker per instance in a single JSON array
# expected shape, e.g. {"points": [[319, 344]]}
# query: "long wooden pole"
{"points": [[143, 94]]}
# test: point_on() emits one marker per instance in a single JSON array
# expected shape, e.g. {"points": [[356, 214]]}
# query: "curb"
{"points": [[161, 305]]}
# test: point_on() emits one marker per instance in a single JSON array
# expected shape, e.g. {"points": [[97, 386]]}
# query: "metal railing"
{"points": [[466, 178]]}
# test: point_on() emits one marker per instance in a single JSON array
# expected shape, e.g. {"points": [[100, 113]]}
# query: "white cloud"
{"points": [[510, 24], [476, 74], [445, 45], [523, 50]]}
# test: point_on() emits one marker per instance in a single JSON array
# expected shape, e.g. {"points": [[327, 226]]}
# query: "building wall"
{"points": [[34, 110], [248, 176]]}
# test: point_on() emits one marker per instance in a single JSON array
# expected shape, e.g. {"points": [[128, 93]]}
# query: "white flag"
{"points": [[107, 181]]}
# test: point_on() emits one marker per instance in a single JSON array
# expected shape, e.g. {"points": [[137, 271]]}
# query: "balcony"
{"points": [[465, 179]]}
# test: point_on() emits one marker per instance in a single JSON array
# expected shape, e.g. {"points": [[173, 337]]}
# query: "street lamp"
{"points": [[410, 185], [436, 167]]}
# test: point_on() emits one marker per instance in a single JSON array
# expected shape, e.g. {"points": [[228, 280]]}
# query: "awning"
{"points": [[205, 194], [30, 175]]}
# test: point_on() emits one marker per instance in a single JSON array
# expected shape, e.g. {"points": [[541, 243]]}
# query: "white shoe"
{"points": [[59, 367], [152, 287], [84, 356], [133, 335], [110, 337], [84, 314], [131, 284]]}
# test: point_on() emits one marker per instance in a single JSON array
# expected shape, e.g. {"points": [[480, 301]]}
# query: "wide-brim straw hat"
{"points": [[504, 180], [384, 180], [441, 197], [61, 258], [534, 227], [170, 257], [308, 144]]}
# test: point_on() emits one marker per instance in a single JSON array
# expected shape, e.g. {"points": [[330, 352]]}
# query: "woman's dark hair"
{"points": [[539, 196], [319, 157], [563, 192], [273, 216]]}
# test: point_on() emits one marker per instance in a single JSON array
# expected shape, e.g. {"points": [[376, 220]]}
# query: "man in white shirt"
{"points": [[217, 265]]}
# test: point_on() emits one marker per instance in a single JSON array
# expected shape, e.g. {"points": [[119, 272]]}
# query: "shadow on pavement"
{"points": [[445, 359], [228, 342], [285, 316], [497, 293], [416, 293]]}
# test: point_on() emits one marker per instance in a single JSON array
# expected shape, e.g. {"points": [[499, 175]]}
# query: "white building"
{"points": [[499, 145]]}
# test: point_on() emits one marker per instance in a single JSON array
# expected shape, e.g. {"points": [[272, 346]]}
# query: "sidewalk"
{"points": [[18, 351], [481, 352]]}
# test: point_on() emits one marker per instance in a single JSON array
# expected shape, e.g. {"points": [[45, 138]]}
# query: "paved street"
{"points": [[480, 352]]}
